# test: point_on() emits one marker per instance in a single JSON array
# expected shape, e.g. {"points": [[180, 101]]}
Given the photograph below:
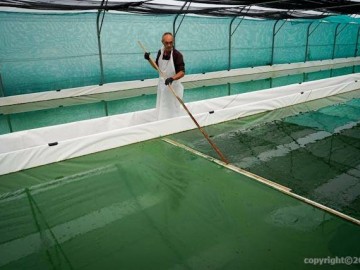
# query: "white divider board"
{"points": [[134, 88], [30, 148]]}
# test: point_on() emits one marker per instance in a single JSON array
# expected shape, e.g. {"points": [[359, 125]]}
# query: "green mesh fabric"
{"points": [[286, 80], [47, 52], [4, 124], [42, 51], [131, 104], [290, 41], [251, 47], [249, 86], [55, 116], [206, 92], [321, 41]]}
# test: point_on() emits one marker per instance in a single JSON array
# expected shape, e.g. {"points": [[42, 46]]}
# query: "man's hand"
{"points": [[147, 56], [169, 81]]}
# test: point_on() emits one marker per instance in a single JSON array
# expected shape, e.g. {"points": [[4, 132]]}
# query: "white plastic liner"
{"points": [[30, 148], [136, 88]]}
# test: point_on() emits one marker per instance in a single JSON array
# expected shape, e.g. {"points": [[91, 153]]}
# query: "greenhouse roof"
{"points": [[266, 9]]}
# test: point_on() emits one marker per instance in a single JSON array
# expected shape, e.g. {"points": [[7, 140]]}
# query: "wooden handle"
{"points": [[217, 150]]}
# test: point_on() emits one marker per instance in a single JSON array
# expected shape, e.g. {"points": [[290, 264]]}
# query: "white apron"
{"points": [[167, 105]]}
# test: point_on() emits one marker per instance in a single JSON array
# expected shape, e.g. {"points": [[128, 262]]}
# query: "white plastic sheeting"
{"points": [[31, 148], [136, 88]]}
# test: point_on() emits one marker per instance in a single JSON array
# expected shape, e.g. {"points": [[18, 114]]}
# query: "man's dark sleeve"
{"points": [[178, 61]]}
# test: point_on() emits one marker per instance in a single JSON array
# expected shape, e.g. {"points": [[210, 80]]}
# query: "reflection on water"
{"points": [[315, 153]]}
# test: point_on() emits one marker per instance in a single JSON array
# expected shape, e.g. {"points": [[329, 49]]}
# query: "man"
{"points": [[171, 63]]}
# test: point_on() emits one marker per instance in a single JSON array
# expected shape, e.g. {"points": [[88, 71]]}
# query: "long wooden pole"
{"points": [[217, 150], [267, 182]]}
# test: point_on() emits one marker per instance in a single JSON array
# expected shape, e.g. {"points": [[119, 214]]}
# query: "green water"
{"points": [[315, 151], [155, 206]]}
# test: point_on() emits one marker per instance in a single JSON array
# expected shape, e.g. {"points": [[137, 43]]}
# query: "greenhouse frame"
{"points": [[260, 169]]}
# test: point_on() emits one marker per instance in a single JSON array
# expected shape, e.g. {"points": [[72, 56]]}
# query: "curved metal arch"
{"points": [[334, 43], [357, 42], [308, 34], [101, 13], [273, 43], [231, 33], [274, 34], [356, 47], [176, 17]]}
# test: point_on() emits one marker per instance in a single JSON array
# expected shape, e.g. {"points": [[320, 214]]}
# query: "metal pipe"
{"points": [[307, 42], [315, 28], [308, 34], [357, 42], [106, 108], [98, 32], [230, 41], [273, 43], [174, 22], [9, 123], [273, 40], [231, 33], [346, 25], [334, 44], [2, 90], [356, 47]]}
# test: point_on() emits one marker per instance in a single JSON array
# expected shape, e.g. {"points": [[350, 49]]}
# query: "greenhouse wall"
{"points": [[53, 51]]}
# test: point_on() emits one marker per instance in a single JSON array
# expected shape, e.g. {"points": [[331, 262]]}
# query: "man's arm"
{"points": [[179, 65], [178, 75]]}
